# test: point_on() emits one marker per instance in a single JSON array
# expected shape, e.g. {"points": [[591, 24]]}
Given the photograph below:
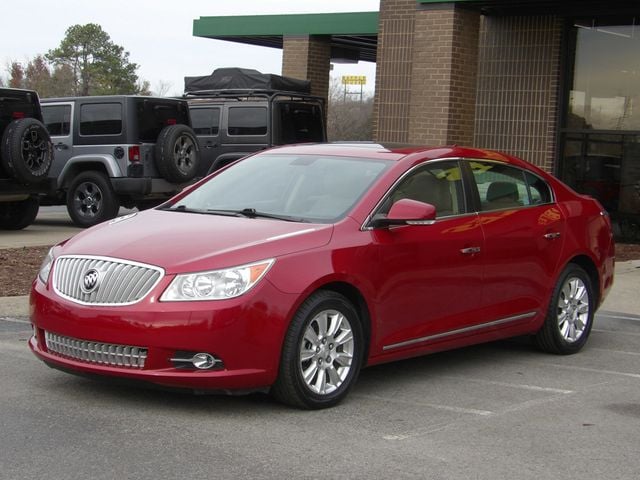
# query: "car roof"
{"points": [[398, 152]]}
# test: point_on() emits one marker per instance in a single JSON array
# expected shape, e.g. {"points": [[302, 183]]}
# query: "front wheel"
{"points": [[322, 353], [570, 315], [91, 199]]}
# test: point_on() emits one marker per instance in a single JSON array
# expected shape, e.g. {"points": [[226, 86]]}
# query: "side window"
{"points": [[205, 121], [500, 186], [101, 119], [439, 184], [538, 189], [57, 119], [247, 121]]}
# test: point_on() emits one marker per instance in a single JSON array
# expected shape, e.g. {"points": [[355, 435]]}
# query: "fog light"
{"points": [[203, 361], [200, 361]]}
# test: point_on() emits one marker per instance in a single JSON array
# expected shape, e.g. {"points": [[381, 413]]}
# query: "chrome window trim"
{"points": [[160, 270], [457, 331]]}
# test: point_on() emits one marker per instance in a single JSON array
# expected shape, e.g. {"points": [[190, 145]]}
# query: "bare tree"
{"points": [[348, 118]]}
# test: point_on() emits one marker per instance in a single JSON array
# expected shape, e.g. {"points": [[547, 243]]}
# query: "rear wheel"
{"points": [[570, 315], [91, 199], [322, 353], [18, 215]]}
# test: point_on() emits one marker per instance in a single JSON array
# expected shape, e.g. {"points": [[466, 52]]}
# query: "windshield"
{"points": [[307, 188]]}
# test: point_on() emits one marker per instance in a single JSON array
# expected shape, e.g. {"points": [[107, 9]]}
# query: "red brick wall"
{"points": [[308, 58], [443, 87], [519, 87]]}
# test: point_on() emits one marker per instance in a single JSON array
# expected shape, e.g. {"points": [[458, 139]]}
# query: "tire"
{"points": [[18, 215], [91, 199], [570, 316], [325, 342], [26, 152], [177, 153]]}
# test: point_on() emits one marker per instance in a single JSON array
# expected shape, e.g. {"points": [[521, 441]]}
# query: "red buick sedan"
{"points": [[293, 268]]}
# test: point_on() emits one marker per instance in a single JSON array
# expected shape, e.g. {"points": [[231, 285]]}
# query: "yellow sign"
{"points": [[354, 80]]}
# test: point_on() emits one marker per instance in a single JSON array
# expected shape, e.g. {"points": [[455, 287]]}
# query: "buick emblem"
{"points": [[90, 281]]}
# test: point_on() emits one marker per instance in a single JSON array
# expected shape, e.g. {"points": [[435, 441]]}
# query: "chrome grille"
{"points": [[117, 282], [94, 352]]}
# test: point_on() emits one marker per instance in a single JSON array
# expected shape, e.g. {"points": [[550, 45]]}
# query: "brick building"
{"points": [[554, 82]]}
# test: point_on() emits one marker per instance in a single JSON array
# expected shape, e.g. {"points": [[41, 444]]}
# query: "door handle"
{"points": [[470, 250], [552, 235], [61, 146]]}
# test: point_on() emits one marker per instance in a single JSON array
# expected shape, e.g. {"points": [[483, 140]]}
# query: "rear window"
{"points": [[16, 105], [299, 123], [57, 119], [154, 115], [247, 121], [101, 119]]}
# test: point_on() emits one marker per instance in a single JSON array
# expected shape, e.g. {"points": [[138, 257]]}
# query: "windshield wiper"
{"points": [[253, 213]]}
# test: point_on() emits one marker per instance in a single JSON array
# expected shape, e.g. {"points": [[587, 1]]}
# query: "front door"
{"points": [[430, 276]]}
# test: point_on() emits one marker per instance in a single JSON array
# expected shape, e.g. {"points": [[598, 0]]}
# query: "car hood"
{"points": [[186, 242]]}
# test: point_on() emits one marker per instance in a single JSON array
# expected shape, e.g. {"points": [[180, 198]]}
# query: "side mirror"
{"points": [[406, 212]]}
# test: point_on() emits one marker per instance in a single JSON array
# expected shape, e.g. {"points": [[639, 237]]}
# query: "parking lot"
{"points": [[496, 411], [502, 410]]}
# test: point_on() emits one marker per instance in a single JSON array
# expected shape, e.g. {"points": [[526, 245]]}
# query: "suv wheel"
{"points": [[18, 215], [26, 152], [91, 199], [177, 153]]}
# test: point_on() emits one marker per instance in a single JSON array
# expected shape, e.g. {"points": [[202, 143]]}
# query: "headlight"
{"points": [[216, 284], [45, 268]]}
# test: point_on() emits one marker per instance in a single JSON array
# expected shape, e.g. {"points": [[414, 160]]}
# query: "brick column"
{"points": [[308, 57], [444, 76], [393, 71]]}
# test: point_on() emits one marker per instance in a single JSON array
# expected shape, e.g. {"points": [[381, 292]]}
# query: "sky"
{"points": [[158, 34]]}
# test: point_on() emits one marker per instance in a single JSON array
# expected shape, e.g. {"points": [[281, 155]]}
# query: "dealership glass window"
{"points": [[247, 121], [57, 119], [605, 93], [101, 119], [600, 135]]}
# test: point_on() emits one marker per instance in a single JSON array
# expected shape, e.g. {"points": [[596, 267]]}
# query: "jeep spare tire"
{"points": [[26, 152], [177, 153]]}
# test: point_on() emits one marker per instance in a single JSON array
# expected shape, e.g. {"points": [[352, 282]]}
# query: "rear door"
{"points": [[58, 118], [523, 233], [205, 120]]}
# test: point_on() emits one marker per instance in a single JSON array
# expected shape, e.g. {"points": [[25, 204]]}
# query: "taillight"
{"points": [[17, 115], [171, 121], [134, 153]]}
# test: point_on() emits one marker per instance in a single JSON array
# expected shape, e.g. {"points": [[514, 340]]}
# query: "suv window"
{"points": [[101, 119], [205, 121], [154, 114], [247, 121], [299, 122], [57, 119]]}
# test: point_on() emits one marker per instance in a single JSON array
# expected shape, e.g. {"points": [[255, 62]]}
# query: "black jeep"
{"points": [[237, 111], [25, 158]]}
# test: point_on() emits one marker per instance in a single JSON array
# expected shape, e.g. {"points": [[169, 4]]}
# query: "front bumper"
{"points": [[246, 333]]}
